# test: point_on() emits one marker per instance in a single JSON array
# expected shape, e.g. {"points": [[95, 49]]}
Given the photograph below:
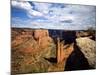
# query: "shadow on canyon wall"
{"points": [[76, 61], [68, 36]]}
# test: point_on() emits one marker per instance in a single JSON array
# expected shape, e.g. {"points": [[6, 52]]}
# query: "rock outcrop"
{"points": [[38, 33], [29, 47], [88, 48], [42, 37]]}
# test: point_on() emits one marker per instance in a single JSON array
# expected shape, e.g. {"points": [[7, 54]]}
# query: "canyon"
{"points": [[42, 50]]}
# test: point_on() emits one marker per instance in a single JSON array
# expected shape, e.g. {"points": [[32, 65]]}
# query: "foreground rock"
{"points": [[88, 48], [29, 49]]}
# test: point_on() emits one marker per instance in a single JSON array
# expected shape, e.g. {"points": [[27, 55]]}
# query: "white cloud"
{"points": [[18, 22], [26, 6], [42, 7], [22, 5], [80, 12], [35, 13], [81, 16], [63, 18], [57, 13]]}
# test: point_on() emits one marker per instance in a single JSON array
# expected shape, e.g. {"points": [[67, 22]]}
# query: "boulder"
{"points": [[88, 48]]}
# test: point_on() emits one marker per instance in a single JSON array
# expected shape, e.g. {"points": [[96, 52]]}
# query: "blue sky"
{"points": [[27, 14]]}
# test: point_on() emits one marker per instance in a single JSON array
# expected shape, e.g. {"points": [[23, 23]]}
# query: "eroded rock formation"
{"points": [[42, 37], [38, 50], [88, 48]]}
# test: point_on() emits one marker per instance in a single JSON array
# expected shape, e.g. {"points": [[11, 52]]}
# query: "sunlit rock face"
{"points": [[88, 48], [40, 33], [42, 37]]}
